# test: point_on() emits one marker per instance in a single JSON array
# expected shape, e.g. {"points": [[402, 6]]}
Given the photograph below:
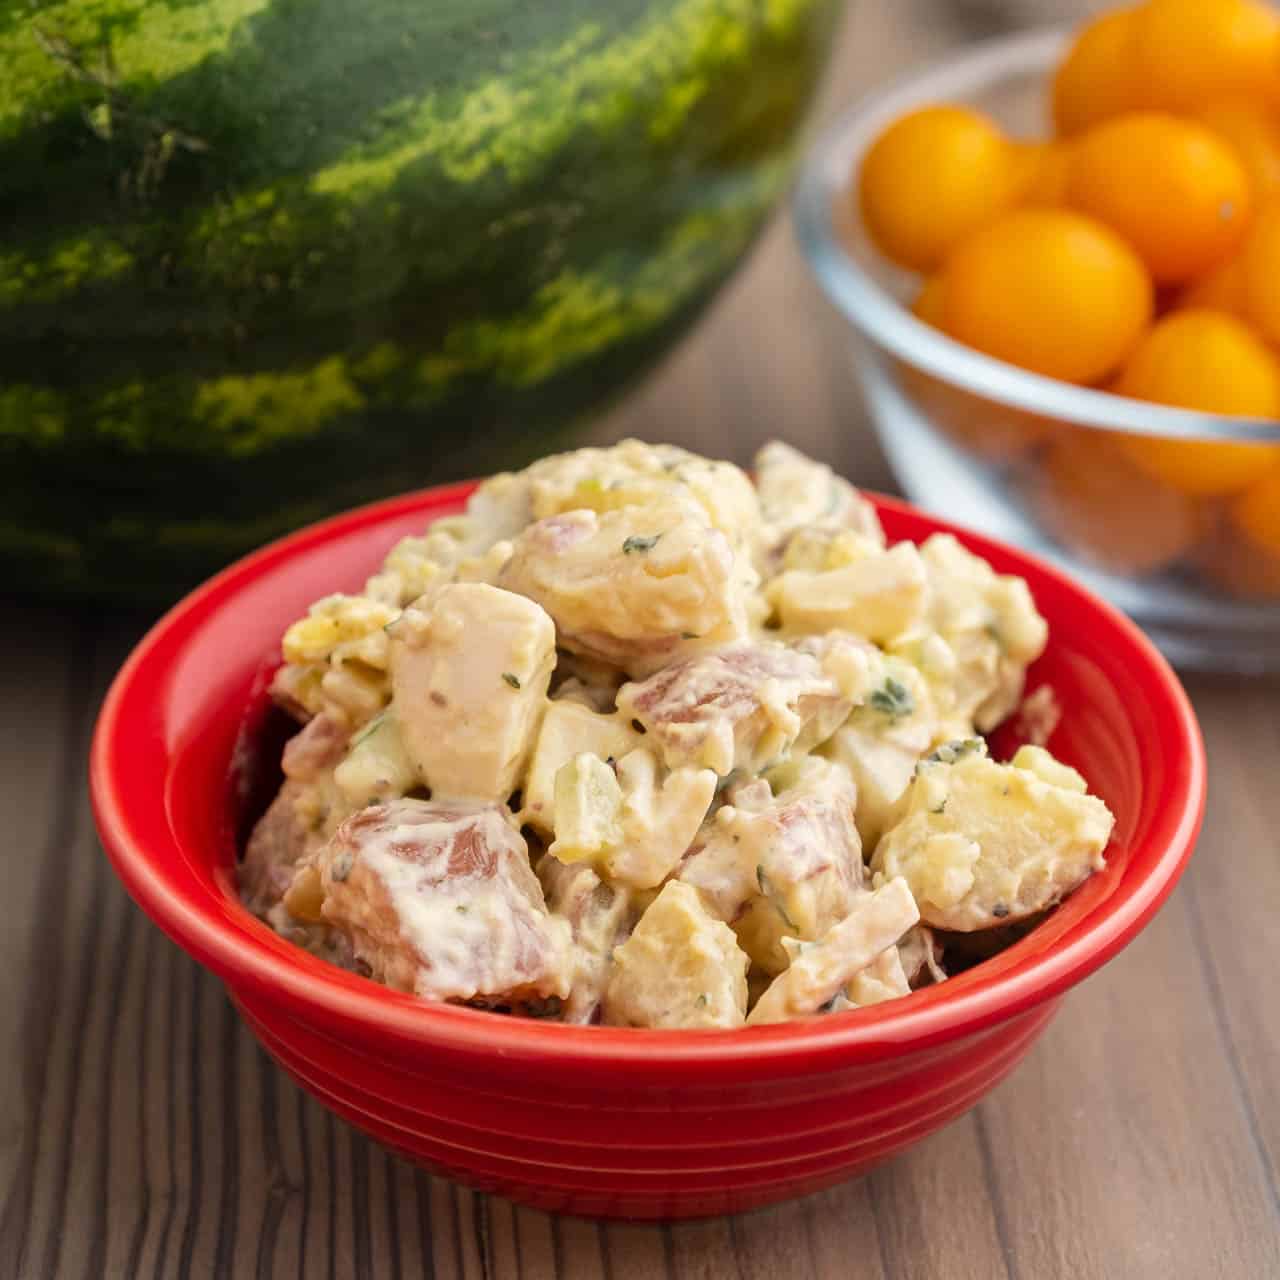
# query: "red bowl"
{"points": [[594, 1120]]}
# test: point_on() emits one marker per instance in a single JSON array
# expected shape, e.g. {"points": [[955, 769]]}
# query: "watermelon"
{"points": [[260, 259]]}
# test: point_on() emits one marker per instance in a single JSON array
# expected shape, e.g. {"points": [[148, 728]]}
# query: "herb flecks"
{"points": [[368, 731], [734, 775], [950, 752], [512, 679], [892, 699], [766, 888], [703, 1000], [637, 544]]}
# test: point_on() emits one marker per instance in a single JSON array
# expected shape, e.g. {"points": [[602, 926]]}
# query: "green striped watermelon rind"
{"points": [[418, 289]]}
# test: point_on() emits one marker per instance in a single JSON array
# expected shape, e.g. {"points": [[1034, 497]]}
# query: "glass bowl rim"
{"points": [[890, 326]]}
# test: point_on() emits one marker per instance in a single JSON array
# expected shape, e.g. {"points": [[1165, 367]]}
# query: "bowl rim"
{"points": [[825, 179], [308, 989]]}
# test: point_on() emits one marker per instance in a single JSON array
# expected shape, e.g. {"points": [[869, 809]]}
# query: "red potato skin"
{"points": [[288, 830], [461, 859]]}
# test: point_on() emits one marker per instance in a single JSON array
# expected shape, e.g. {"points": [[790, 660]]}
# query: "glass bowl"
{"points": [[1022, 457]]}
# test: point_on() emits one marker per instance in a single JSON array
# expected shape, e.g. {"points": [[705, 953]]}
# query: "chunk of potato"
{"points": [[302, 816], [741, 707], [634, 826], [438, 898], [569, 727], [660, 817], [588, 821], [638, 587], [455, 546], [335, 661], [881, 742], [797, 492], [992, 626], [680, 968], [600, 916], [780, 866], [470, 677], [984, 844], [883, 979], [819, 549], [378, 766], [635, 474], [878, 597], [821, 969]]}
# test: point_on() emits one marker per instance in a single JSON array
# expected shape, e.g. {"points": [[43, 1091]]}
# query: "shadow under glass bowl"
{"points": [[1007, 452]]}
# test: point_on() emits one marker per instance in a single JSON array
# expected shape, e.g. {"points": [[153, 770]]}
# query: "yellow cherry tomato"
{"points": [[930, 179], [1095, 80], [1223, 289], [1202, 468], [994, 431], [1095, 500], [1040, 173], [1182, 53], [928, 305], [1205, 360], [1254, 519], [1050, 290], [1238, 563], [1211, 362], [1256, 512], [1170, 187], [1252, 130], [1262, 272]]}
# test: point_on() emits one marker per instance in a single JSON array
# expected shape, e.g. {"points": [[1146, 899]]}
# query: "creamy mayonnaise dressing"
{"points": [[634, 739]]}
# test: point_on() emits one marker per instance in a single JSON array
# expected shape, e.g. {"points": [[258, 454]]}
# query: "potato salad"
{"points": [[637, 740]]}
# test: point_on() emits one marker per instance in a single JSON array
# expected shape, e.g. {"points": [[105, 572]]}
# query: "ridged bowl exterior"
{"points": [[610, 1121], [568, 1141]]}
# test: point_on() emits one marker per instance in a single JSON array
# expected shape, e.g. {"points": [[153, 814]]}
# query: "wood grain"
{"points": [[143, 1133]]}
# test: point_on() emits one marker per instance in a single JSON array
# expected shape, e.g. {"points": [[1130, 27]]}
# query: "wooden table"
{"points": [[142, 1132]]}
